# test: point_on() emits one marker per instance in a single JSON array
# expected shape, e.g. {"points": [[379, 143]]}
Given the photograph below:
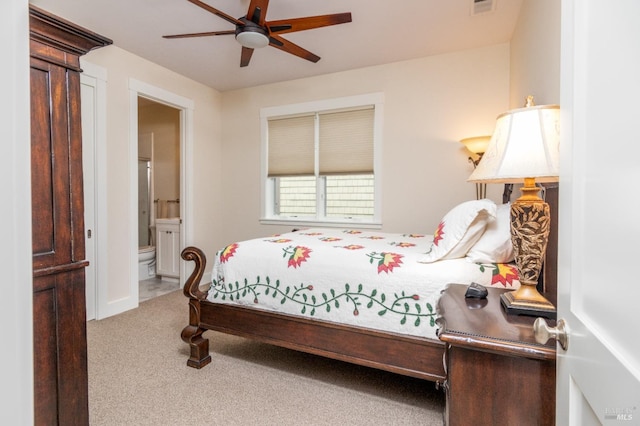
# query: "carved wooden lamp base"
{"points": [[530, 220]]}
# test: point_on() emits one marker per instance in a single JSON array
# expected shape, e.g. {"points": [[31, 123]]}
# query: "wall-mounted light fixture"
{"points": [[477, 145]]}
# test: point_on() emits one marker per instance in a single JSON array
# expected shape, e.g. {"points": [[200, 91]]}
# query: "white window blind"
{"points": [[346, 142], [292, 146]]}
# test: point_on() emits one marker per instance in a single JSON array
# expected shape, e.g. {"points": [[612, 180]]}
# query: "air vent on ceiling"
{"points": [[482, 6]]}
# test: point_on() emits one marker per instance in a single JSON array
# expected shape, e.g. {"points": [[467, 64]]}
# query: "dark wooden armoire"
{"points": [[59, 306]]}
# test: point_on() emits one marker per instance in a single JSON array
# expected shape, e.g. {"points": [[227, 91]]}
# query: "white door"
{"points": [[599, 224], [87, 95]]}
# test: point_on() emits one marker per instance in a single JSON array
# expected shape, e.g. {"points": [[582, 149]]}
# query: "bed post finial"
{"points": [[192, 334], [192, 285]]}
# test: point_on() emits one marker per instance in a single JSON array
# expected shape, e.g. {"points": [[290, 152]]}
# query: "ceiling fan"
{"points": [[254, 31]]}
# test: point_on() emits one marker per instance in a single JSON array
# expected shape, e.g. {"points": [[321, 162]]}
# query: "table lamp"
{"points": [[524, 147]]}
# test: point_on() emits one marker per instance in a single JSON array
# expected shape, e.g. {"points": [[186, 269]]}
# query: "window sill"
{"points": [[321, 224]]}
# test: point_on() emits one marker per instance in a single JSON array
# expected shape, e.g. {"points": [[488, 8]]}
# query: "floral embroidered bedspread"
{"points": [[362, 278]]}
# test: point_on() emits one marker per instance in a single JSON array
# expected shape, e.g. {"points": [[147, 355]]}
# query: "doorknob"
{"points": [[543, 332]]}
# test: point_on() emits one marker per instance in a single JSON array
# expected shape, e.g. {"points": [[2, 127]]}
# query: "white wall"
{"points": [[16, 291], [430, 104], [122, 66], [535, 54]]}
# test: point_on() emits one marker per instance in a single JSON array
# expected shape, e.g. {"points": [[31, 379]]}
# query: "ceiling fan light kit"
{"points": [[253, 37], [253, 31]]}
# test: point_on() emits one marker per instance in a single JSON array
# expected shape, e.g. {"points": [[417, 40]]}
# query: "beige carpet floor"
{"points": [[138, 376]]}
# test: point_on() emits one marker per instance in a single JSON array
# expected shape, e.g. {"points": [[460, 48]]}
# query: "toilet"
{"points": [[146, 262]]}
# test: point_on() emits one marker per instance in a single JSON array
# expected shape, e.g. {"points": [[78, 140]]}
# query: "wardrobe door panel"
{"points": [[50, 188], [45, 353], [60, 353]]}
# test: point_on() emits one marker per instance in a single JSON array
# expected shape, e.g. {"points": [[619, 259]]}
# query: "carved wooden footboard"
{"points": [[402, 354]]}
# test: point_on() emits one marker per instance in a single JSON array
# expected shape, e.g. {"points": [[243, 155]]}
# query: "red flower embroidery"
{"points": [[352, 232], [386, 261], [439, 234], [280, 240], [390, 261], [297, 254], [330, 239], [504, 274], [353, 247], [404, 245], [228, 252]]}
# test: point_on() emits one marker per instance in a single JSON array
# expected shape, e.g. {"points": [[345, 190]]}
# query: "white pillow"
{"points": [[459, 230], [494, 246]]}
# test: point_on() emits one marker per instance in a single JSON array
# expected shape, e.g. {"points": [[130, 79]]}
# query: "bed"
{"points": [[359, 296]]}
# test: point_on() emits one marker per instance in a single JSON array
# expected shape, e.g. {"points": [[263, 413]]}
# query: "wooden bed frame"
{"points": [[402, 354]]}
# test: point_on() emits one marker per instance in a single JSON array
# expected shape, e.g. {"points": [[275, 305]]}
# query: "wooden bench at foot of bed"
{"points": [[402, 354]]}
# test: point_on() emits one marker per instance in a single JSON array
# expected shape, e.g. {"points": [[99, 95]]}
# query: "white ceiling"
{"points": [[382, 31]]}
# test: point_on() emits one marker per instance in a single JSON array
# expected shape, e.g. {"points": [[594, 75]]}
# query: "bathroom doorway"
{"points": [[150, 96], [159, 134]]}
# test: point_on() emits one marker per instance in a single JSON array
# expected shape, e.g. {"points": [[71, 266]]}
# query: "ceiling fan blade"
{"points": [[300, 24], [294, 49], [245, 56], [210, 33], [258, 11], [217, 12]]}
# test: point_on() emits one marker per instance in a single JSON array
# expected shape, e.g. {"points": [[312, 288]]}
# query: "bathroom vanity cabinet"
{"points": [[168, 248]]}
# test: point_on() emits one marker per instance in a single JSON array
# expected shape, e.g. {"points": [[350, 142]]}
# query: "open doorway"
{"points": [[141, 92], [158, 198]]}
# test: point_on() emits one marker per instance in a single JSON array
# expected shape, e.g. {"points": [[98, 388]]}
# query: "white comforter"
{"points": [[367, 279]]}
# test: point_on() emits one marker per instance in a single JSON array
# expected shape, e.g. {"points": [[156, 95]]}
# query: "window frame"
{"points": [[267, 186]]}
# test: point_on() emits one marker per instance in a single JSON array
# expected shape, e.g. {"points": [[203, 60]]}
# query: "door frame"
{"points": [[137, 89]]}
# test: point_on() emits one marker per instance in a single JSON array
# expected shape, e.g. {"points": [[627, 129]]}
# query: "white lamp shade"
{"points": [[525, 144]]}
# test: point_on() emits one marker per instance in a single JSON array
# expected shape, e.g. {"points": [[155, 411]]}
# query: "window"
{"points": [[319, 162]]}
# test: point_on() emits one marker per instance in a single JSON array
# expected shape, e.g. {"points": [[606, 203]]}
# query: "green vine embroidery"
{"points": [[401, 304]]}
